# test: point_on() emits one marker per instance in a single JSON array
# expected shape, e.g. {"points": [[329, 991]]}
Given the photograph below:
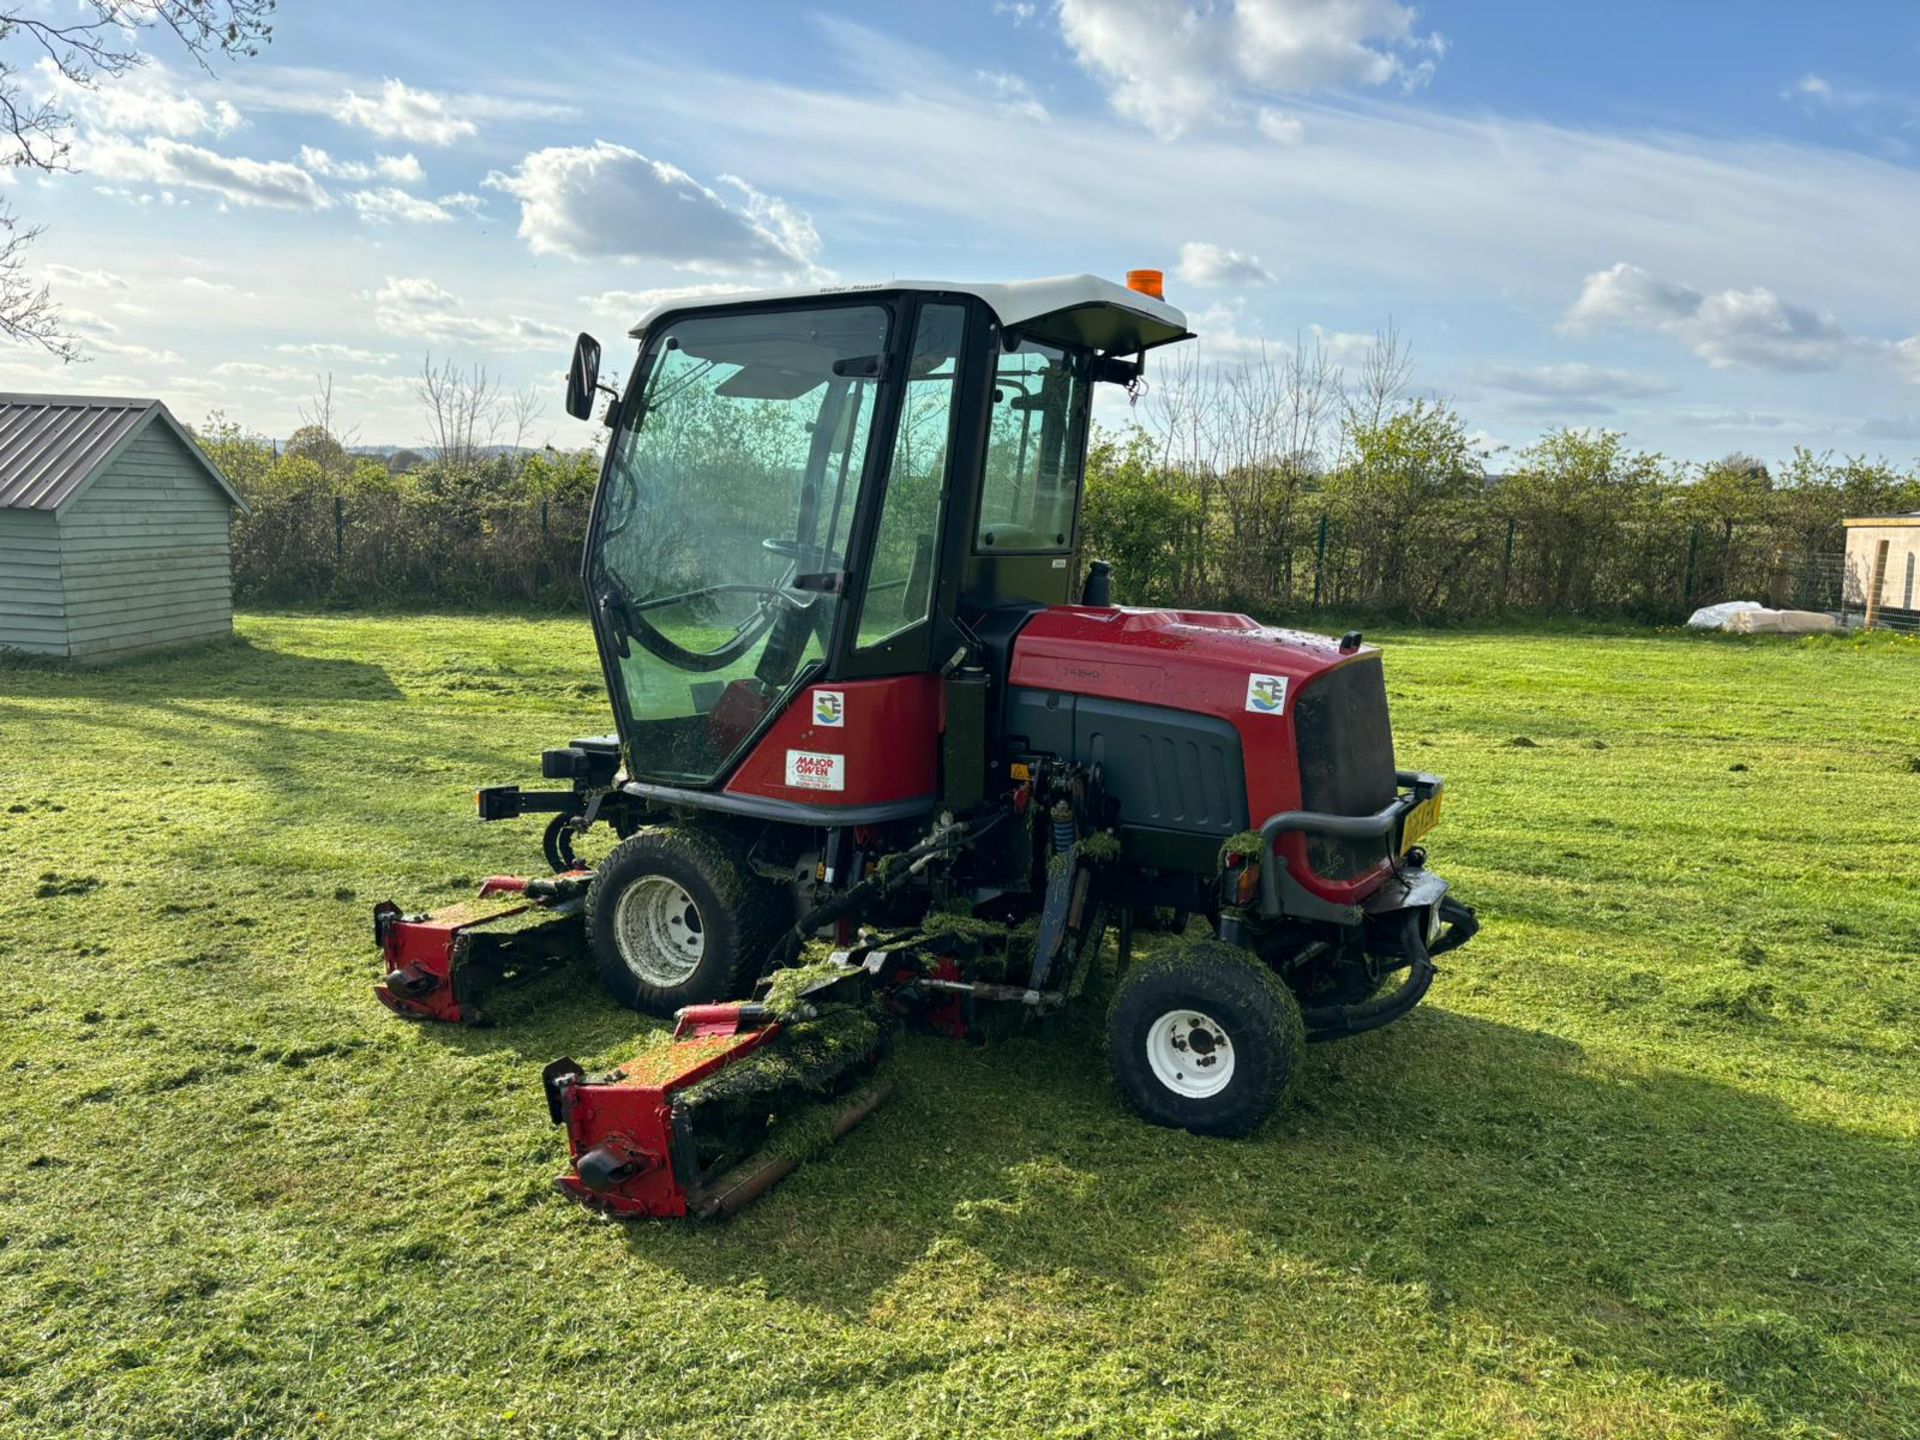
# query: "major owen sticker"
{"points": [[808, 770]]}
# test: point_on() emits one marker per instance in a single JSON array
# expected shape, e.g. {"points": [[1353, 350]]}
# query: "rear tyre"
{"points": [[1205, 1039], [675, 921]]}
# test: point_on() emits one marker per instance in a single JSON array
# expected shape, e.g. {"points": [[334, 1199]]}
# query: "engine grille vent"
{"points": [[1341, 725]]}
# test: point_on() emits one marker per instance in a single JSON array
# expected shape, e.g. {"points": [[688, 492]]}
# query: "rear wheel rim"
{"points": [[659, 933], [1190, 1053]]}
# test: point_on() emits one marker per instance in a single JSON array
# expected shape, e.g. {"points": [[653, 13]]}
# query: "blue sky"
{"points": [[1691, 223]]}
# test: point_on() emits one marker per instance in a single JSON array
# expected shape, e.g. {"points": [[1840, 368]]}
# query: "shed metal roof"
{"points": [[51, 446]]}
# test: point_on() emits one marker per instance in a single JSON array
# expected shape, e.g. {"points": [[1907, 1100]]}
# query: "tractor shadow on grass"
{"points": [[1665, 1221]]}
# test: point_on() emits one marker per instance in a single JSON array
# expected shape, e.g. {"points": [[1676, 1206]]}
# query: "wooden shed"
{"points": [[115, 530]]}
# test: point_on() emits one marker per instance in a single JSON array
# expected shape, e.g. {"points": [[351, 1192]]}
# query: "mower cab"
{"points": [[868, 692]]}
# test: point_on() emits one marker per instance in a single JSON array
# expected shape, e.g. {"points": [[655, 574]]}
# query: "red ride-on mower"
{"points": [[861, 696]]}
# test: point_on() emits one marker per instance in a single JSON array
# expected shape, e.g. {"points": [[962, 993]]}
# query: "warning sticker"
{"points": [[830, 708], [808, 770], [1267, 694]]}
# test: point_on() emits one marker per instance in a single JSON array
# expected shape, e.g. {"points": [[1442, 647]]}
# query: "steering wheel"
{"points": [[634, 622], [794, 551]]}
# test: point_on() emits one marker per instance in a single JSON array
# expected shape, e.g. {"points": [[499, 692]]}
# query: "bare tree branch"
{"points": [[320, 413], [465, 410], [524, 409], [28, 314]]}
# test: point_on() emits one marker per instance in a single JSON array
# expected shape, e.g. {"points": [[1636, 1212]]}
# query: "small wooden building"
{"points": [[1894, 567], [115, 530]]}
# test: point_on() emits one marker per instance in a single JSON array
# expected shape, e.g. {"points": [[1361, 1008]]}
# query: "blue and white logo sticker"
{"points": [[1266, 694], [830, 708]]}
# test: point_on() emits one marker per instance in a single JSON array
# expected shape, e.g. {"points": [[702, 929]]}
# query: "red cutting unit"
{"points": [[641, 1143], [440, 965]]}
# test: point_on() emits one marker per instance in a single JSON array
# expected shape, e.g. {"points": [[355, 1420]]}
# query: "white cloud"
{"points": [[133, 352], [402, 168], [1812, 87], [422, 309], [1174, 65], [249, 369], [1222, 339], [87, 323], [277, 184], [329, 350], [1012, 94], [1280, 127], [89, 279], [1206, 264], [211, 287], [390, 203], [1347, 349], [1752, 329], [145, 100], [636, 303], [1576, 381], [399, 111], [604, 201]]}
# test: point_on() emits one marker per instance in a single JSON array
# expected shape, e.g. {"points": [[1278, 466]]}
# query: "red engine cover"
{"points": [[1229, 666], [860, 742]]}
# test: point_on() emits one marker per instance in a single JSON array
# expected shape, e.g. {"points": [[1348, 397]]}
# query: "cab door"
{"points": [[900, 592]]}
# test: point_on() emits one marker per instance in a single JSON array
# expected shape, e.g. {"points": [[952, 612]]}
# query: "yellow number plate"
{"points": [[1422, 818]]}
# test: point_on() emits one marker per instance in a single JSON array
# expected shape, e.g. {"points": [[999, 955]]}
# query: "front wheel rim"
{"points": [[658, 931], [1190, 1053]]}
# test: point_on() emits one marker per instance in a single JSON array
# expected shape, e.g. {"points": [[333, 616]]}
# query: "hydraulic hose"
{"points": [[892, 871], [1337, 1022]]}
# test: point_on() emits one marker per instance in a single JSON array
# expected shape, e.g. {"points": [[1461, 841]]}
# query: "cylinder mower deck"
{"points": [[707, 1121], [441, 965]]}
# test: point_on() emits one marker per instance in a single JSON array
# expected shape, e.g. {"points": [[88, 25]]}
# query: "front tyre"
{"points": [[675, 921], [1204, 1038]]}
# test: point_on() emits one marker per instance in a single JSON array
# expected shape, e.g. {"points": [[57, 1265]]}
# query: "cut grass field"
{"points": [[1644, 1165]]}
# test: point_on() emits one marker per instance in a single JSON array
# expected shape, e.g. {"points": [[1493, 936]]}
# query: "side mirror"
{"points": [[582, 376]]}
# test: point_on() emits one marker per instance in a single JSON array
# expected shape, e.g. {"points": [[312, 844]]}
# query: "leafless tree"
{"points": [[524, 409], [86, 42], [319, 412], [1384, 372], [464, 409]]}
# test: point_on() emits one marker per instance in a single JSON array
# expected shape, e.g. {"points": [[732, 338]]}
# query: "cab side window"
{"points": [[1033, 448], [900, 579]]}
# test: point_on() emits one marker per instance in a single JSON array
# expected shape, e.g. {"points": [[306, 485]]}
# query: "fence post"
{"points": [[1506, 565], [1693, 553], [1777, 588], [1319, 561], [339, 526], [1879, 580]]}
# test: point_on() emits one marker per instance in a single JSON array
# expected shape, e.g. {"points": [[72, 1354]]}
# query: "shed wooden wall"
{"points": [[1903, 561], [33, 608], [145, 553]]}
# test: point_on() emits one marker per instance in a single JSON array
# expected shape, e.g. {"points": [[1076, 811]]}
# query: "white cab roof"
{"points": [[1075, 309]]}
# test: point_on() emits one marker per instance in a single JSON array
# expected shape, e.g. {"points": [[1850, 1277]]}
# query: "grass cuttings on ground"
{"points": [[1644, 1165]]}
